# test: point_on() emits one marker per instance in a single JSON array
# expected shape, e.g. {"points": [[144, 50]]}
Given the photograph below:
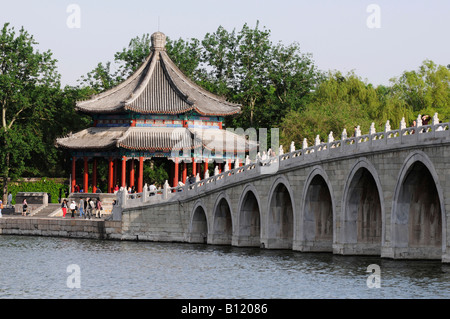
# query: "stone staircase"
{"points": [[47, 210]]}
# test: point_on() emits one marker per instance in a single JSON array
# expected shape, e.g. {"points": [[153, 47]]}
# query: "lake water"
{"points": [[42, 268]]}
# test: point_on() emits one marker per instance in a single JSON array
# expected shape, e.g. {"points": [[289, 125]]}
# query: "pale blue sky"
{"points": [[334, 32]]}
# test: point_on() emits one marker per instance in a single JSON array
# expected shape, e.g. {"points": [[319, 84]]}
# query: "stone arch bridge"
{"points": [[384, 194]]}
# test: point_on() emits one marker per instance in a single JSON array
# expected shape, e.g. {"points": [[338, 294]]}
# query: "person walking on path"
{"points": [[98, 212], [81, 207], [1, 207], [87, 208], [24, 207], [9, 203], [73, 207], [91, 207], [64, 207]]}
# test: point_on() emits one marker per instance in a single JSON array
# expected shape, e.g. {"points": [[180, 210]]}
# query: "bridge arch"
{"points": [[249, 218], [418, 210], [316, 213], [363, 211], [222, 227], [198, 229], [281, 215]]}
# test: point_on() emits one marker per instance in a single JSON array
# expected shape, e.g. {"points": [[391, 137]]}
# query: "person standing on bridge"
{"points": [[152, 189]]}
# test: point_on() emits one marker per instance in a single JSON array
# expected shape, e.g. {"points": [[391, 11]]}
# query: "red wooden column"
{"points": [[132, 173], [141, 175], [175, 173], [124, 171], [194, 167], [86, 175], [110, 175], [73, 181], [94, 176], [115, 177], [184, 173], [206, 167]]}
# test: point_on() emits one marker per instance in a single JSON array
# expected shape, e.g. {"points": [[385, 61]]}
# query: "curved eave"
{"points": [[217, 114], [70, 146], [141, 111], [89, 105], [85, 110], [92, 139], [155, 149], [97, 148]]}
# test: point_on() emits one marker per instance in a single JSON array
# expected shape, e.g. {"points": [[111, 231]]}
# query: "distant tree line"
{"points": [[277, 85]]}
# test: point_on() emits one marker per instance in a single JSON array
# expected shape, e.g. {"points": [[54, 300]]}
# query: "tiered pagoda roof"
{"points": [[157, 88]]}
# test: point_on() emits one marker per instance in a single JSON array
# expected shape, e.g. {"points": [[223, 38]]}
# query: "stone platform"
{"points": [[60, 227]]}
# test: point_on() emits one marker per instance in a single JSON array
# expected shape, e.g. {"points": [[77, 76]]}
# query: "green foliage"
{"points": [[132, 57], [267, 80], [426, 90], [43, 186], [28, 84], [187, 56], [156, 172]]}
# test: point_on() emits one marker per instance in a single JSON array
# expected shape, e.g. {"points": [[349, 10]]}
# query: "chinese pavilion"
{"points": [[156, 112]]}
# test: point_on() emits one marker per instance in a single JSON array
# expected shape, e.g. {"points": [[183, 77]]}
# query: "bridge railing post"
{"points": [[166, 190], [145, 194]]}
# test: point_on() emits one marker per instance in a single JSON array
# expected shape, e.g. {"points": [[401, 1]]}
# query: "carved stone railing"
{"points": [[333, 149]]}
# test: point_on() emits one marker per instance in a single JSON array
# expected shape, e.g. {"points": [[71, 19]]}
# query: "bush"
{"points": [[43, 186]]}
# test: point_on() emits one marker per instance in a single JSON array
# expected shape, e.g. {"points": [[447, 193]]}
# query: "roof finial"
{"points": [[158, 41]]}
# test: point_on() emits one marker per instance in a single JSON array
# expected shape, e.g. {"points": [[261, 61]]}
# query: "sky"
{"points": [[376, 39]]}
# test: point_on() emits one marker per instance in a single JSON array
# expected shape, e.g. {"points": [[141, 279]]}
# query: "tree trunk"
{"points": [[5, 179], [252, 110]]}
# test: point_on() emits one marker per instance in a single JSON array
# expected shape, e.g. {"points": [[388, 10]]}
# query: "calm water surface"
{"points": [[36, 267]]}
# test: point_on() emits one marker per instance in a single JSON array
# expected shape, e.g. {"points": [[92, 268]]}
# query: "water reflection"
{"points": [[36, 267]]}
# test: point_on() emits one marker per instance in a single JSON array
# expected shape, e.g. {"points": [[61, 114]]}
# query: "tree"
{"points": [[266, 79], [132, 57], [338, 102], [186, 54], [28, 79], [426, 90]]}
